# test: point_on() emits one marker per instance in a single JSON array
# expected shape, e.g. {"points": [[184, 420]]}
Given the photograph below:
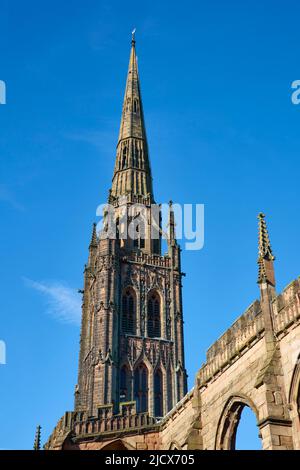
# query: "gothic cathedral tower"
{"points": [[131, 347]]}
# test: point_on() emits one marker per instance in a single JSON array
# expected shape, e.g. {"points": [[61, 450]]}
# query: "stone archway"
{"points": [[229, 421], [174, 446], [294, 400], [118, 444]]}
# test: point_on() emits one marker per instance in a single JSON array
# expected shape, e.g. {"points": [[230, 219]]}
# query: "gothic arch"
{"points": [[141, 388], [294, 401], [124, 157], [118, 444], [154, 314], [142, 357], [129, 308], [174, 446], [295, 385], [127, 363], [155, 287], [179, 374], [125, 382], [229, 421], [167, 383], [170, 387], [135, 105], [158, 391]]}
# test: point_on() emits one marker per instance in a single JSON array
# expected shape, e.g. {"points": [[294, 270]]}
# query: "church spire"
{"points": [[265, 254], [132, 173]]}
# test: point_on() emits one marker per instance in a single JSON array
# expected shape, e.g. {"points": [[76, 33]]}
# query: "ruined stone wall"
{"points": [[243, 370], [177, 425], [246, 366]]}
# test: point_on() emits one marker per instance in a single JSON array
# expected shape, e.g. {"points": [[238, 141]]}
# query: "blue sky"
{"points": [[216, 82]]}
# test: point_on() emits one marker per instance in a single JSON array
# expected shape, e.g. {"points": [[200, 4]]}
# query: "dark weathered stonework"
{"points": [[255, 363]]}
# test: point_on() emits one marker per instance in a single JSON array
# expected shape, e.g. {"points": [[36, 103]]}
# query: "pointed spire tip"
{"points": [[133, 36], [94, 235], [132, 172]]}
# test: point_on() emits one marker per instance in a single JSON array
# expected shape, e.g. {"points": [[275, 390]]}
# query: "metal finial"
{"points": [[133, 36]]}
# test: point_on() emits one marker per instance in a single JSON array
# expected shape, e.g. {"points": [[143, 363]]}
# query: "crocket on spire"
{"points": [[132, 173], [37, 439], [93, 242], [265, 255]]}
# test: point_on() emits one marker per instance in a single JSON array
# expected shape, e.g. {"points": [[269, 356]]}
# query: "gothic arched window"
{"points": [[124, 392], [154, 330], [135, 154], [124, 157], [117, 225], [135, 106], [179, 385], [128, 312], [158, 394], [141, 388], [170, 389]]}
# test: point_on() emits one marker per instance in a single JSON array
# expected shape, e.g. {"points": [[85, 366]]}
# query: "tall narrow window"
{"points": [[137, 236], [141, 388], [135, 153], [117, 228], [154, 330], [128, 312], [124, 157], [124, 384], [138, 157], [156, 246], [179, 385], [158, 395], [170, 389], [139, 240]]}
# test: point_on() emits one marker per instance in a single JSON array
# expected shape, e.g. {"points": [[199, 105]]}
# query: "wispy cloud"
{"points": [[102, 140], [63, 303], [7, 195]]}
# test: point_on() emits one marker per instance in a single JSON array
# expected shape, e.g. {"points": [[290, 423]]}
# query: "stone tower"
{"points": [[131, 363], [131, 348]]}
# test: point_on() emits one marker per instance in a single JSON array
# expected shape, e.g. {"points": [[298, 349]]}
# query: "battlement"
{"points": [[106, 422], [286, 307], [248, 329]]}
